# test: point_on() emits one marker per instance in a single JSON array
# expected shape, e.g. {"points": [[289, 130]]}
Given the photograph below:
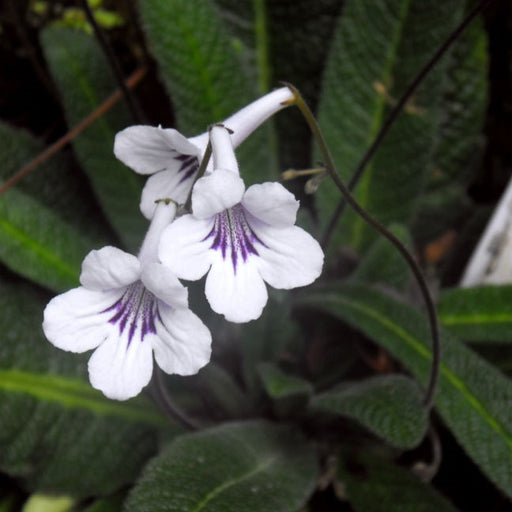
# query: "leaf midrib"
{"points": [[363, 188], [32, 245], [234, 481], [73, 394], [475, 319]]}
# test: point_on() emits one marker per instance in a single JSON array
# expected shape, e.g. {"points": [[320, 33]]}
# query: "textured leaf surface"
{"points": [[85, 80], [57, 434], [266, 339], [482, 314], [377, 485], [38, 244], [299, 32], [390, 406], [280, 384], [473, 397], [382, 263], [289, 393], [237, 467], [55, 183], [203, 74], [378, 49], [461, 141], [47, 222]]}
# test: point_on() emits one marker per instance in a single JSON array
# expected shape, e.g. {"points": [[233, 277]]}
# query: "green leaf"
{"points": [[390, 406], [111, 504], [377, 50], [482, 314], [85, 80], [222, 393], [265, 340], [37, 244], [57, 434], [54, 183], [382, 263], [35, 240], [247, 466], [279, 384], [463, 108], [289, 393], [473, 396], [44, 503], [377, 485], [298, 32], [203, 74], [461, 142]]}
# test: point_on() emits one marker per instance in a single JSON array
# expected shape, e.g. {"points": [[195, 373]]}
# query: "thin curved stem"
{"points": [[431, 309], [166, 402], [396, 111]]}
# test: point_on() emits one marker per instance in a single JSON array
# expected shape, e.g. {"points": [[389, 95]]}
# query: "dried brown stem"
{"points": [[133, 80]]}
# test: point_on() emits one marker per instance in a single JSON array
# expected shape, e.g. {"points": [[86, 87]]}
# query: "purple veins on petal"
{"points": [[189, 166], [233, 235], [136, 310]]}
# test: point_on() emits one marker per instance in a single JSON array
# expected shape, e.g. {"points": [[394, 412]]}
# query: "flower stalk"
{"points": [[374, 223]]}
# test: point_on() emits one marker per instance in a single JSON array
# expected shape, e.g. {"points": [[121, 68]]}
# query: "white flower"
{"points": [[173, 160], [241, 238], [129, 308]]}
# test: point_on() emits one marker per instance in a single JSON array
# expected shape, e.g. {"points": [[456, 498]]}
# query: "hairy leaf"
{"points": [[38, 244], [481, 314], [54, 183], [203, 74], [383, 264], [265, 340], [461, 142], [251, 466], [473, 396], [389, 406], [85, 80], [57, 434], [289, 393], [377, 485], [378, 49]]}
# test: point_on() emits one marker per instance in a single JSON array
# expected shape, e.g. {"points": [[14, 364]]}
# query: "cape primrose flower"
{"points": [[129, 308], [240, 237], [173, 160]]}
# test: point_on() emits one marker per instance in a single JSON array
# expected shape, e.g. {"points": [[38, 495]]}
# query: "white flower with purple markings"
{"points": [[241, 238], [173, 160], [130, 309]]}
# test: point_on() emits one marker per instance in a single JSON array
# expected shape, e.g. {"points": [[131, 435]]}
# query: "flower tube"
{"points": [[173, 160]]}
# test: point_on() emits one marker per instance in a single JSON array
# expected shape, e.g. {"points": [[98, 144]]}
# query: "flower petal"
{"points": [[271, 203], [109, 268], [216, 192], [239, 297], [76, 320], [165, 185], [185, 247], [120, 370], [183, 342], [164, 284], [290, 257], [148, 149]]}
